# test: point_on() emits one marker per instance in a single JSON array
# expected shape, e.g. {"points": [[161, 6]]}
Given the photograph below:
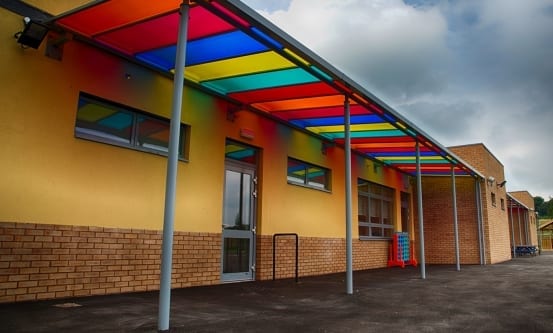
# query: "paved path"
{"points": [[516, 296]]}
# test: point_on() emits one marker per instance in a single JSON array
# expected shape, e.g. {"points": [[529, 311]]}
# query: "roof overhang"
{"points": [[235, 53], [512, 202]]}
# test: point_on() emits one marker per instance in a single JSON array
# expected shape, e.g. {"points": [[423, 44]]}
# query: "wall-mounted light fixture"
{"points": [[490, 180], [32, 35], [502, 183]]}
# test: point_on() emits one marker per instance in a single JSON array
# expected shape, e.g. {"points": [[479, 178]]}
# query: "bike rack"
{"points": [[274, 252]]}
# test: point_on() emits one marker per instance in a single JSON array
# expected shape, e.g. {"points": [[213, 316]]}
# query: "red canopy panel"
{"points": [[285, 93], [387, 149], [112, 14], [320, 112]]}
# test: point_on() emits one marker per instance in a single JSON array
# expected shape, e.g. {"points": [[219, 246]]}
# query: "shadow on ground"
{"points": [[516, 296]]}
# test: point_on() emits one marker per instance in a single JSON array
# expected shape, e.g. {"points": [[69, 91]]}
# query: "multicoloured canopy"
{"points": [[235, 53]]}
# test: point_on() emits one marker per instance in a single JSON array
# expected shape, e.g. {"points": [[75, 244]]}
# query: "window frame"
{"points": [[327, 173], [386, 195], [134, 142]]}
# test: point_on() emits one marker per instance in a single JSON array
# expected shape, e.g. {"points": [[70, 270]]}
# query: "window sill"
{"points": [[310, 187], [97, 139]]}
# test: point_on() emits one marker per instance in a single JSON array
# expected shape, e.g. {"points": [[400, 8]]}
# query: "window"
{"points": [[375, 210], [114, 124], [494, 201], [309, 175], [502, 201]]}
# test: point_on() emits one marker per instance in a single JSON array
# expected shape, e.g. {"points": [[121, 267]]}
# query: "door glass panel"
{"points": [[238, 246], [237, 255], [238, 204], [246, 201], [232, 217]]}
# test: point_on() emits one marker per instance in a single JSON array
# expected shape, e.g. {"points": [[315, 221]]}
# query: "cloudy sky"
{"points": [[464, 71]]}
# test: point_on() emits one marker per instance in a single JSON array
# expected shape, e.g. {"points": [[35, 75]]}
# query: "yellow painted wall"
{"points": [[49, 176]]}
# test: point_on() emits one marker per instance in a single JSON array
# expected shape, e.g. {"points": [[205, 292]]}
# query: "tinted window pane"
{"points": [[153, 133], [376, 232], [103, 122], [363, 208], [296, 171], [240, 152], [307, 174], [375, 210], [364, 230], [316, 177], [114, 124]]}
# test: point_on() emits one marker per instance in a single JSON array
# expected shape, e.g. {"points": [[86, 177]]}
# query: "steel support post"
{"points": [[455, 222], [420, 213], [519, 226], [513, 231], [171, 178], [527, 228], [349, 242], [481, 229]]}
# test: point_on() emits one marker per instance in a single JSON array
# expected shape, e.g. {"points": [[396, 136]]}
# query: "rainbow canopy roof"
{"points": [[235, 53]]}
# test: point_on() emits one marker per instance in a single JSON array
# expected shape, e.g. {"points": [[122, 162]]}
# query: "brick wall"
{"points": [[528, 200], [44, 261], [519, 219], [495, 219], [317, 256], [438, 220]]}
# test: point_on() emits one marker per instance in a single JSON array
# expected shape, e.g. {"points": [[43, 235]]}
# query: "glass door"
{"points": [[238, 223]]}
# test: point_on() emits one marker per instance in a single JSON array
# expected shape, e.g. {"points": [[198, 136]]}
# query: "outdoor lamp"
{"points": [[32, 35]]}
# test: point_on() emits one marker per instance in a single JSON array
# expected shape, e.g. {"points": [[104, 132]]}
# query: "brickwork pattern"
{"points": [[495, 219], [519, 219], [44, 261], [317, 256], [528, 200], [439, 232]]}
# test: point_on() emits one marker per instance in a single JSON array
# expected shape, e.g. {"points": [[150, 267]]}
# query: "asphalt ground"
{"points": [[515, 296]]}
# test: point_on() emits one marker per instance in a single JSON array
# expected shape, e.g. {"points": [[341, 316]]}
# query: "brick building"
{"points": [[494, 229], [84, 140], [523, 224]]}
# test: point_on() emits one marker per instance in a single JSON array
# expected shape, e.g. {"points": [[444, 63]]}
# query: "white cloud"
{"points": [[463, 71], [386, 45]]}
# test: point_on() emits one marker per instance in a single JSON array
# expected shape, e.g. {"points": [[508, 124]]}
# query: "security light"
{"points": [[32, 35], [502, 183]]}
